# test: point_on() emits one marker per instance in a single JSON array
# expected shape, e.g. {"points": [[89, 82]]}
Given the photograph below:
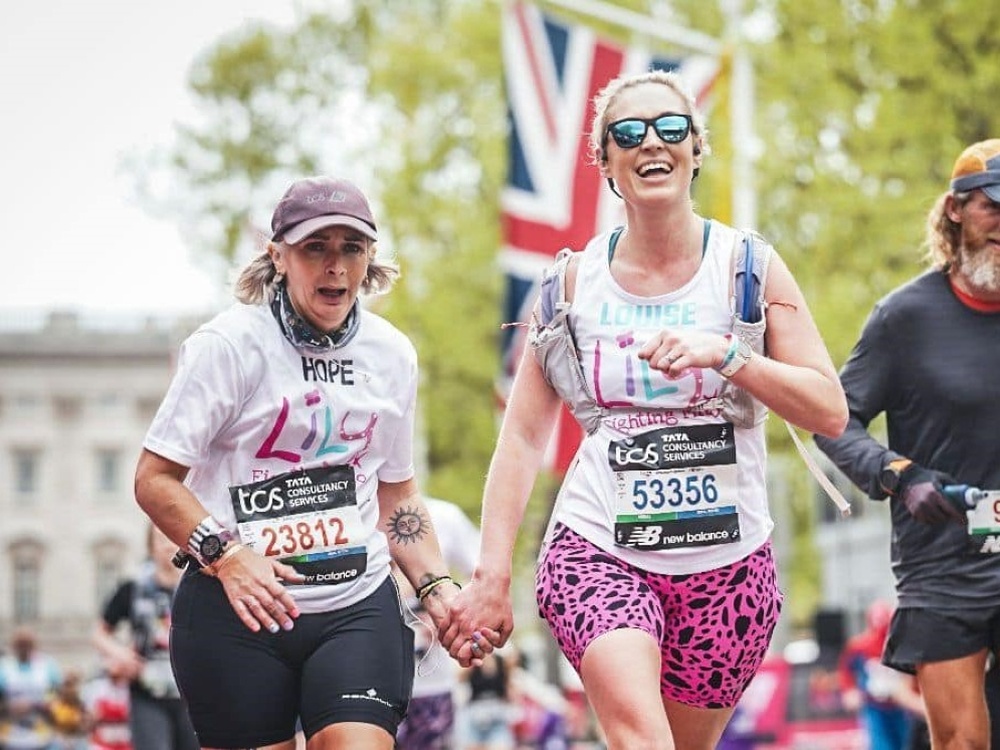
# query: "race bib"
{"points": [[676, 487], [308, 519], [984, 525]]}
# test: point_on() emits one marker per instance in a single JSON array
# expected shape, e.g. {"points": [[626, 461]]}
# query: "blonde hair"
{"points": [[255, 284], [606, 97], [943, 236]]}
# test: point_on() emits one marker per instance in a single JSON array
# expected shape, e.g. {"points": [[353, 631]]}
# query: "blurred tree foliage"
{"points": [[861, 108]]}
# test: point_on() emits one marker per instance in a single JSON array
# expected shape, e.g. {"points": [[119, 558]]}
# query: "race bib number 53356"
{"points": [[676, 487]]}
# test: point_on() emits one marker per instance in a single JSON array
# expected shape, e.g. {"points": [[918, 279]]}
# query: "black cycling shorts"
{"points": [[246, 689], [918, 636]]}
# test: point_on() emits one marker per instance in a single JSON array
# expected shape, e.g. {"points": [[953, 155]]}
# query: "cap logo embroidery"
{"points": [[336, 196]]}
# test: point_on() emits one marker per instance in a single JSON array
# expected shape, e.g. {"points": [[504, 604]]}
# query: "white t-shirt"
{"points": [[293, 444], [665, 484]]}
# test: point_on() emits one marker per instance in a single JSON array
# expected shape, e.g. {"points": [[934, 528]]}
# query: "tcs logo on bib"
{"points": [[260, 501]]}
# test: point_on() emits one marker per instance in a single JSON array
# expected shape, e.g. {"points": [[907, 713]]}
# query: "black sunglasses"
{"points": [[630, 132]]}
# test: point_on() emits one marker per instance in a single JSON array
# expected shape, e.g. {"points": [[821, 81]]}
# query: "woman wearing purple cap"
{"points": [[281, 462]]}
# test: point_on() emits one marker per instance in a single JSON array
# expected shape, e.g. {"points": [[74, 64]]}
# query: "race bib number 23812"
{"points": [[308, 519]]}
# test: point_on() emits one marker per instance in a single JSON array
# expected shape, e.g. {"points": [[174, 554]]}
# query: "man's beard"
{"points": [[981, 268]]}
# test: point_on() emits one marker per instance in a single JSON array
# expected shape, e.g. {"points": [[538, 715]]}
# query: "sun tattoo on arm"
{"points": [[407, 525]]}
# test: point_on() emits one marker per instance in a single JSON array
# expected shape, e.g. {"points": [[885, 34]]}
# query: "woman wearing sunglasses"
{"points": [[657, 578]]}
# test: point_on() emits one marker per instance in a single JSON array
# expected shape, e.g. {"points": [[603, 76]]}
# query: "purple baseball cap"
{"points": [[313, 203]]}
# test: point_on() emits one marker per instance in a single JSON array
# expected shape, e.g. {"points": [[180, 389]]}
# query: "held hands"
{"points": [[920, 491], [438, 604], [673, 352], [464, 633], [253, 586]]}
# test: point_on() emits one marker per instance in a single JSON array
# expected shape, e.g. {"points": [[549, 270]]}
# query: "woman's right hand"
{"points": [[254, 589], [126, 662]]}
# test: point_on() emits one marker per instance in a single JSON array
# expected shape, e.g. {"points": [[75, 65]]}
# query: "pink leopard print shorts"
{"points": [[713, 628]]}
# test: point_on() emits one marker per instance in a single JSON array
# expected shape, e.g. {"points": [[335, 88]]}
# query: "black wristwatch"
{"points": [[888, 479], [208, 541], [213, 545]]}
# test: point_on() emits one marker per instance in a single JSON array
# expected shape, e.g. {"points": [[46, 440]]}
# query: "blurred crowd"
{"points": [[501, 705], [44, 707], [840, 696], [505, 705]]}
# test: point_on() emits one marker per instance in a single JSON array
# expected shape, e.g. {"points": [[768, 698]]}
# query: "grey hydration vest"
{"points": [[550, 334]]}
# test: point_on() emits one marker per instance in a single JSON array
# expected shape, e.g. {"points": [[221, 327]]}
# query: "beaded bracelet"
{"points": [[428, 587]]}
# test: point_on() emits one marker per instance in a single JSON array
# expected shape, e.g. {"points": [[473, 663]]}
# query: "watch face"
{"points": [[211, 547]]}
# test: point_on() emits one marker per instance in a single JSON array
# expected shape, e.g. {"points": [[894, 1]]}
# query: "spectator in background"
{"points": [[158, 715], [489, 711], [28, 680], [107, 701], [69, 715], [886, 701], [430, 718]]}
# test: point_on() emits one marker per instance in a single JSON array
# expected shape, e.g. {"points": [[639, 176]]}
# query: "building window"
{"points": [[27, 583], [109, 570], [26, 472], [108, 470], [109, 401], [107, 574]]}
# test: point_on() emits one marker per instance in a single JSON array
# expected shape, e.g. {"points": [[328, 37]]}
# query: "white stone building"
{"points": [[76, 397]]}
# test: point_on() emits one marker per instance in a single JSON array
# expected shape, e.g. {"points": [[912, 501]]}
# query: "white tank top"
{"points": [[675, 490]]}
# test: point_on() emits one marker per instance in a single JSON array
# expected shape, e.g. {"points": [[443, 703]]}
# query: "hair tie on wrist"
{"points": [[231, 550], [428, 587]]}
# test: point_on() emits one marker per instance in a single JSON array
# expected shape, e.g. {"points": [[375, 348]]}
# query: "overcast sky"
{"points": [[82, 85]]}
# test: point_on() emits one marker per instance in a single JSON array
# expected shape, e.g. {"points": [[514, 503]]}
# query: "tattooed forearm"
{"points": [[407, 525]]}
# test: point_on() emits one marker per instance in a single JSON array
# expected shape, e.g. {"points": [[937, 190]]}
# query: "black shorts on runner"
{"points": [[246, 689], [918, 636]]}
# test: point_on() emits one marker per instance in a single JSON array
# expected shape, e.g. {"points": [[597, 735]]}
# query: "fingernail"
{"points": [[273, 627], [289, 625], [476, 636]]}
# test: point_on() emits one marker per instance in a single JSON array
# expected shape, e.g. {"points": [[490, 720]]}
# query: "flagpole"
{"points": [[741, 116], [687, 38]]}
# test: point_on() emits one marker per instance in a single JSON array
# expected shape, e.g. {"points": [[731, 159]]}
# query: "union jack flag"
{"points": [[554, 196]]}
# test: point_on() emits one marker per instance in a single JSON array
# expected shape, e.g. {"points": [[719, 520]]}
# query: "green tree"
{"points": [[436, 70], [863, 134]]}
